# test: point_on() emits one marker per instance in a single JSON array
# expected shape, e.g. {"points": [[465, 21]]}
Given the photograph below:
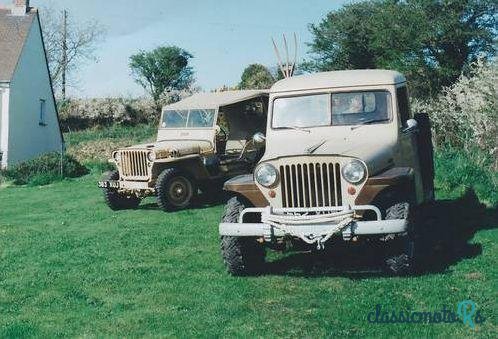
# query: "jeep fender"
{"points": [[397, 180], [245, 187], [191, 165]]}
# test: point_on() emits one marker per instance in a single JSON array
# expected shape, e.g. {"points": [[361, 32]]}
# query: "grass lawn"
{"points": [[71, 267]]}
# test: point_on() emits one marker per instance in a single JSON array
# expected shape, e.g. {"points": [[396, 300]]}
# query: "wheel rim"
{"points": [[180, 191]]}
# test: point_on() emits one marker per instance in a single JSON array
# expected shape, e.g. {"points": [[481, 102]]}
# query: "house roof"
{"points": [[334, 79], [215, 100], [13, 33]]}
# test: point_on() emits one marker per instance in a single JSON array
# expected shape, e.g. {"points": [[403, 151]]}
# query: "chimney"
{"points": [[21, 7]]}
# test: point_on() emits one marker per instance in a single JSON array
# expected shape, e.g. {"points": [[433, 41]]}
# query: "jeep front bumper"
{"points": [[314, 226]]}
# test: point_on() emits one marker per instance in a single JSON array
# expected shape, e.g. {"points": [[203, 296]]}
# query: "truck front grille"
{"points": [[134, 165], [311, 185]]}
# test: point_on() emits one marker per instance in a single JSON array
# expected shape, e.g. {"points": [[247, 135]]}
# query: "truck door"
{"points": [[408, 140]]}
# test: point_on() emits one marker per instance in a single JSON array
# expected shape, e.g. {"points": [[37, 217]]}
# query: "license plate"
{"points": [[108, 184]]}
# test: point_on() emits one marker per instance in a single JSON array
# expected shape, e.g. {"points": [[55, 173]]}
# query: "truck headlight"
{"points": [[116, 156], [354, 171], [151, 156], [266, 175]]}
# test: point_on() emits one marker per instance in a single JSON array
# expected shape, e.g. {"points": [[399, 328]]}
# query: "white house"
{"points": [[29, 124]]}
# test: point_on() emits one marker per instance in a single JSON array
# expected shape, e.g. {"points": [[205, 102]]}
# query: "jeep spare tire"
{"points": [[174, 190], [116, 200]]}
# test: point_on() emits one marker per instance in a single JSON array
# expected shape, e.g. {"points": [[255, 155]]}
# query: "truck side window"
{"points": [[403, 107]]}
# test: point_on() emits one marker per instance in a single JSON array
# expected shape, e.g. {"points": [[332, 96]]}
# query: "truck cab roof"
{"points": [[337, 79]]}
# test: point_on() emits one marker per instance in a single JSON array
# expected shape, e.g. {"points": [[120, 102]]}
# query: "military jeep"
{"points": [[202, 141], [345, 160]]}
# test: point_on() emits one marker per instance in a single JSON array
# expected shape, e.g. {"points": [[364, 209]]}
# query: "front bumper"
{"points": [[315, 227]]}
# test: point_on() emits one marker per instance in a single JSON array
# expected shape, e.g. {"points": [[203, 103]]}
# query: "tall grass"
{"points": [[458, 171]]}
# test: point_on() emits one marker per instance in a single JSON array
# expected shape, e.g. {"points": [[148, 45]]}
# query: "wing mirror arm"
{"points": [[411, 125]]}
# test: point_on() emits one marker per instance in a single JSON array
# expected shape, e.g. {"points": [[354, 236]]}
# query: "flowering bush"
{"points": [[465, 115], [78, 114]]}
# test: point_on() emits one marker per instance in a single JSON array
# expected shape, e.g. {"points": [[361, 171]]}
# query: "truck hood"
{"points": [[178, 147], [377, 151]]}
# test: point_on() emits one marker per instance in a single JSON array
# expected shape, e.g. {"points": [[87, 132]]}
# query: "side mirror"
{"points": [[259, 138], [411, 124]]}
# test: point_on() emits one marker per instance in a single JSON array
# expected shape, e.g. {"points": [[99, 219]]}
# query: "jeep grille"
{"points": [[311, 185], [134, 165]]}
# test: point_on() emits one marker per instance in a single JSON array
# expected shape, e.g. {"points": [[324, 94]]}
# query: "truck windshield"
{"points": [[336, 109], [195, 118]]}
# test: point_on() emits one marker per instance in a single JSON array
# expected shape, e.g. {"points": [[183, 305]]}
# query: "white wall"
{"points": [[4, 124], [30, 83]]}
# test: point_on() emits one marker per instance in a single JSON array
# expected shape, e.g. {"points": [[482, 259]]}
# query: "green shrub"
{"points": [[99, 167], [45, 169], [465, 115]]}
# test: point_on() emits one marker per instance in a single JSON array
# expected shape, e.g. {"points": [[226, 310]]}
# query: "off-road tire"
{"points": [[115, 200], [174, 190], [242, 255], [399, 256]]}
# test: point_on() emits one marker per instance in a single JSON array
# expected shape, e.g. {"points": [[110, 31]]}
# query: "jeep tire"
{"points": [[241, 255], [115, 200], [399, 255], [174, 190]]}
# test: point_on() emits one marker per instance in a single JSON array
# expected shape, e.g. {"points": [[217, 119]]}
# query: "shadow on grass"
{"points": [[445, 233]]}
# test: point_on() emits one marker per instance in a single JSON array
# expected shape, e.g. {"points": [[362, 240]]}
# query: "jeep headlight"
{"points": [[151, 156], [116, 156], [354, 171], [266, 175]]}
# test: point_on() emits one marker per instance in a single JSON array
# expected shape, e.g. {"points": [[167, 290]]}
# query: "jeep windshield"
{"points": [[336, 109], [194, 118]]}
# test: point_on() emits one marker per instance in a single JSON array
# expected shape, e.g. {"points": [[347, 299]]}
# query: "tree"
{"points": [[162, 70], [69, 44], [431, 41], [256, 76]]}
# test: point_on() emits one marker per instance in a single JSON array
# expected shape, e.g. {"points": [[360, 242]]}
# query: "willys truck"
{"points": [[344, 160], [202, 141]]}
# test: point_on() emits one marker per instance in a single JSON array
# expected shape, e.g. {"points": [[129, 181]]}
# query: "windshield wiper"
{"points": [[367, 122], [296, 128]]}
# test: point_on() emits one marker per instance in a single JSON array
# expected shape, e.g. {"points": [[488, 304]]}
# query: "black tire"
{"points": [[174, 190], [399, 256], [242, 255], [115, 200]]}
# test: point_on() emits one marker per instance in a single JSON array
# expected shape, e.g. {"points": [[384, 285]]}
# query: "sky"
{"points": [[223, 35]]}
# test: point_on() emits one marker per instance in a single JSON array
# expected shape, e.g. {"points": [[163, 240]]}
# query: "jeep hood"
{"points": [[376, 151], [179, 147]]}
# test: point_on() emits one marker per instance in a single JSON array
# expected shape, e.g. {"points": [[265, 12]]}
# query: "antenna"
{"points": [[289, 67]]}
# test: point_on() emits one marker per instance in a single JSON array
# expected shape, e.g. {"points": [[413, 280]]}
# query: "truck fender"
{"points": [[245, 187], [397, 180]]}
